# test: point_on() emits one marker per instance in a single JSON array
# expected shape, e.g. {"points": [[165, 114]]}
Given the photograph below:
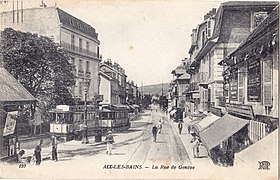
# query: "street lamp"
{"points": [[85, 137]]}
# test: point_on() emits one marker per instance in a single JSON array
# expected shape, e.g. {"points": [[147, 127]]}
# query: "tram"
{"points": [[67, 121]]}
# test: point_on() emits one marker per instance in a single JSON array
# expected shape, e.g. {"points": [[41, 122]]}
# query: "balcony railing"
{"points": [[76, 49]]}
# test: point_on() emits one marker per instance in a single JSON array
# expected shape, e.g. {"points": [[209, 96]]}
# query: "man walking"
{"points": [[54, 148], [180, 127], [196, 147], [154, 131], [159, 126], [37, 152], [110, 140]]}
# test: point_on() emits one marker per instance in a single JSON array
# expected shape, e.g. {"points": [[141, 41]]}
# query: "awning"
{"points": [[221, 130], [265, 149], [135, 105], [193, 122], [205, 122], [173, 112]]}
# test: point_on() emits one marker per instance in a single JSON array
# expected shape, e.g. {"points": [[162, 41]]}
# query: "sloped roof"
{"points": [[184, 76], [237, 5], [11, 90], [75, 23], [266, 24], [179, 70]]}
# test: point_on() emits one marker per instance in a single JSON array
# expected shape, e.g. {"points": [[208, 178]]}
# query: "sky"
{"points": [[148, 38]]}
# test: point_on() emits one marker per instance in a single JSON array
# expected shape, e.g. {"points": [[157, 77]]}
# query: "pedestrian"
{"points": [[110, 140], [37, 152], [180, 127], [159, 126], [189, 129], [154, 131], [196, 147], [20, 156], [54, 148]]}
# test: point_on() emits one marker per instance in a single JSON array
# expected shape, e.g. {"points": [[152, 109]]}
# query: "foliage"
{"points": [[40, 65]]}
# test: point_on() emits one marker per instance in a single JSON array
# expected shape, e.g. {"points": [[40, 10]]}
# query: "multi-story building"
{"points": [[179, 85], [216, 37], [245, 26], [108, 89], [78, 38], [251, 76], [117, 73]]}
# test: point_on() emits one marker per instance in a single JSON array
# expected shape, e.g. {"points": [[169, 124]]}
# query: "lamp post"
{"points": [[85, 137]]}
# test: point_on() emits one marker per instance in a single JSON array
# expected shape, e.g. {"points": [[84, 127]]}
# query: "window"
{"points": [[87, 46], [80, 88], [87, 66], [80, 44], [73, 42], [258, 17], [80, 65]]}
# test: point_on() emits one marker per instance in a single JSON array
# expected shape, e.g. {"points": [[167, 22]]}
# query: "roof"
{"points": [[264, 149], [105, 75], [221, 130], [237, 5], [265, 24], [184, 76], [75, 23], [11, 89], [179, 70]]}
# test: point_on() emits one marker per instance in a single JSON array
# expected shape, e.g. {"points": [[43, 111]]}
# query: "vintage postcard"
{"points": [[130, 89]]}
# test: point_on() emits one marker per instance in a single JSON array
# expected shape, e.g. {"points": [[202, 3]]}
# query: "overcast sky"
{"points": [[147, 38]]}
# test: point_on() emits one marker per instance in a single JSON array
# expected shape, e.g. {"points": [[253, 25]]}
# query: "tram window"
{"points": [[53, 116], [60, 118]]}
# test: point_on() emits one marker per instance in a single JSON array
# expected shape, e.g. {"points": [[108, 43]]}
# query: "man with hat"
{"points": [[110, 140]]}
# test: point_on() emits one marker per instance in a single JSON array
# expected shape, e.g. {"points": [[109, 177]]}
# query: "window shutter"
{"points": [[267, 81]]}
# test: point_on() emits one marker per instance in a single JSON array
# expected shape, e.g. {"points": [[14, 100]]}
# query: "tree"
{"points": [[40, 65]]}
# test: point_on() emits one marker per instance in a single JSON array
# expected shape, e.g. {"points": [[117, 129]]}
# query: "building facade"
{"points": [[117, 74], [78, 38], [216, 37]]}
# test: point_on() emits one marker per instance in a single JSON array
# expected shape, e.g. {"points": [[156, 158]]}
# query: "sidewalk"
{"points": [[186, 138]]}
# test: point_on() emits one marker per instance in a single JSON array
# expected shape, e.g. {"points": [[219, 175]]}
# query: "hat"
{"points": [[109, 132]]}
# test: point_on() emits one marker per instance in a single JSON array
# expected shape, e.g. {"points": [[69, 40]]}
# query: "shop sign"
{"points": [[254, 80], [10, 125], [240, 110]]}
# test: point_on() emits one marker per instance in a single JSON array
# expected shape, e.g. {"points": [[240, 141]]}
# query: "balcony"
{"points": [[75, 49]]}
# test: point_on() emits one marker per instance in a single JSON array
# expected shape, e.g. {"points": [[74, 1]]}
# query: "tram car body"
{"points": [[68, 121]]}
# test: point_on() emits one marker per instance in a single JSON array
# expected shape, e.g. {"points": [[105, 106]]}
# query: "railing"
{"points": [[76, 49]]}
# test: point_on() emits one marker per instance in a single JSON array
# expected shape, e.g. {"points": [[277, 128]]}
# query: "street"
{"points": [[134, 149]]}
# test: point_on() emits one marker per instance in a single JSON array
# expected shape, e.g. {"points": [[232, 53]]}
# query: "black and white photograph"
{"points": [[139, 89]]}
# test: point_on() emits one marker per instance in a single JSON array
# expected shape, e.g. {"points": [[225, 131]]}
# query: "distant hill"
{"points": [[155, 89]]}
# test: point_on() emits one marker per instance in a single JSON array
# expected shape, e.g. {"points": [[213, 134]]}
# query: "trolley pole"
{"points": [[85, 135]]}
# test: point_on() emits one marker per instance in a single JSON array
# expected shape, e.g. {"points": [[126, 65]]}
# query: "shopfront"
{"points": [[12, 97]]}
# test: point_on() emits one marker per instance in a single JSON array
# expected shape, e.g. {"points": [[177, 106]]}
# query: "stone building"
{"points": [[215, 38], [117, 73], [78, 38]]}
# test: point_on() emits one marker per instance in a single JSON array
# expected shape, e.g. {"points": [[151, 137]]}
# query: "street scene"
{"points": [[139, 90]]}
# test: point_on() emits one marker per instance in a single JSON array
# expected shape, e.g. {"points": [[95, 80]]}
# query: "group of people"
{"points": [[37, 156]]}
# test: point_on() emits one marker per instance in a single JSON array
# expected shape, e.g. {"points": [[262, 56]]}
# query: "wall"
{"points": [[105, 89], [43, 21]]}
